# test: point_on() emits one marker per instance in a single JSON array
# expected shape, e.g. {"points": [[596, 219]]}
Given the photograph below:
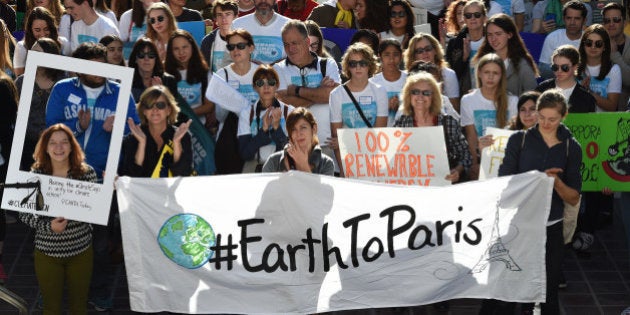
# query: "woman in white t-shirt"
{"points": [[401, 22], [427, 48], [489, 105], [598, 74], [390, 77], [358, 103]]}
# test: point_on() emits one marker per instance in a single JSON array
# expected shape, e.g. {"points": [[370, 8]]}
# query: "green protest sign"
{"points": [[605, 140]]}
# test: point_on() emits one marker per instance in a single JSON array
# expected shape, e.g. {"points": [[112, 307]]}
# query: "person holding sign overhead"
{"points": [[358, 103], [63, 252], [421, 107]]}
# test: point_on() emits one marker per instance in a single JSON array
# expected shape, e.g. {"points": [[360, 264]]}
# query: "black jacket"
{"points": [[581, 101]]}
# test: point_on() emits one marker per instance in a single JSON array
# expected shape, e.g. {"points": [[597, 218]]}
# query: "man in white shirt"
{"points": [[265, 26], [88, 25], [574, 16]]}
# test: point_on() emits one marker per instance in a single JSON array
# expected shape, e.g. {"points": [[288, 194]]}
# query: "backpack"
{"points": [[227, 157]]}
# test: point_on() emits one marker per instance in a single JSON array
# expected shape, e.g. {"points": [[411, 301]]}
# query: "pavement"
{"points": [[598, 283]]}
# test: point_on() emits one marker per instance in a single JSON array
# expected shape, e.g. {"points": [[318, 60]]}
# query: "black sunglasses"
{"points": [[615, 19], [150, 55], [564, 67], [421, 92], [160, 19], [395, 14], [158, 105], [261, 82], [356, 63], [477, 15], [240, 46], [598, 43], [419, 51]]}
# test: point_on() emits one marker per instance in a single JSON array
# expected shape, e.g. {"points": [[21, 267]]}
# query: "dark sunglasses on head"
{"points": [[419, 51], [356, 63], [421, 92], [598, 43], [261, 82], [564, 67], [158, 105], [159, 19], [395, 14], [150, 55], [615, 19], [477, 15], [240, 46]]}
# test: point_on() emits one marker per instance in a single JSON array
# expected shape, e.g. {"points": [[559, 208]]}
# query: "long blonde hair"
{"points": [[500, 95], [172, 27], [5, 42]]}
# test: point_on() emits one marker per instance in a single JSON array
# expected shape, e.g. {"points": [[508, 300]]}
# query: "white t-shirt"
{"points": [[479, 111], [92, 94], [393, 88], [267, 38], [110, 15], [433, 6], [64, 26], [508, 7], [372, 100], [474, 47], [389, 34], [554, 40], [312, 78], [610, 84], [220, 54], [191, 93], [247, 127], [450, 86], [82, 33], [19, 56]]}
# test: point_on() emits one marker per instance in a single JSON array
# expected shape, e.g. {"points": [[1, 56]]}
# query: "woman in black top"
{"points": [[149, 69]]}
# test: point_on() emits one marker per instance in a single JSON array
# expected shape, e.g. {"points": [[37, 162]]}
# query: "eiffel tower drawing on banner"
{"points": [[496, 250]]}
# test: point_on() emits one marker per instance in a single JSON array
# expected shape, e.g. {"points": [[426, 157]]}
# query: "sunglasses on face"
{"points": [[261, 82], [395, 14], [615, 19], [598, 43], [421, 92], [160, 19], [564, 67], [469, 16], [158, 105], [357, 63], [421, 50], [150, 55], [240, 46]]}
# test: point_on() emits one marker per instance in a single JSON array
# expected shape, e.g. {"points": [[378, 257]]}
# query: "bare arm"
{"points": [[333, 132]]}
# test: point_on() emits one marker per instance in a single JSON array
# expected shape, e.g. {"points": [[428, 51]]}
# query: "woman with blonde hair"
{"points": [[427, 48], [7, 43], [422, 107], [54, 6], [489, 105], [162, 25]]}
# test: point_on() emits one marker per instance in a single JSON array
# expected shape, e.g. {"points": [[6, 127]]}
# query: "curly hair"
{"points": [[452, 25], [366, 53]]}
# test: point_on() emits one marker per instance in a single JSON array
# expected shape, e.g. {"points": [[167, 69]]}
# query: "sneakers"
{"points": [[3, 275], [101, 304], [583, 241]]}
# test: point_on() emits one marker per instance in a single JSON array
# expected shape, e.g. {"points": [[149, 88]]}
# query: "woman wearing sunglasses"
{"points": [[358, 103], [149, 71], [564, 63], [401, 22], [156, 148], [503, 39], [425, 47], [162, 26], [262, 126], [185, 62], [598, 74], [422, 103]]}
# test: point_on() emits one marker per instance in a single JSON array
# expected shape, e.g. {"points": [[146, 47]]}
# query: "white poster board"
{"points": [[492, 156], [71, 199], [406, 156]]}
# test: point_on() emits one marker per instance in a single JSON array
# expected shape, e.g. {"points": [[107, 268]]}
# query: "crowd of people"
{"points": [[471, 72]]}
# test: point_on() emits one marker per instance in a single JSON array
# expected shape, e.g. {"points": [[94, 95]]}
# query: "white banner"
{"points": [[492, 156], [405, 156], [221, 93], [303, 243]]}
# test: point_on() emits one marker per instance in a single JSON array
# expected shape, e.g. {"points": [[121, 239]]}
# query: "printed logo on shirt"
{"points": [[310, 80], [352, 118], [268, 48], [484, 119], [190, 92], [98, 113], [600, 86], [247, 90], [83, 38]]}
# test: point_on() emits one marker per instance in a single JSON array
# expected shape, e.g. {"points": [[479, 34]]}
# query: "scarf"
{"points": [[555, 7], [343, 15]]}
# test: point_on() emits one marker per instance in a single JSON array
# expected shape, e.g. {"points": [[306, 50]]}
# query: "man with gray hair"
{"points": [[306, 79]]}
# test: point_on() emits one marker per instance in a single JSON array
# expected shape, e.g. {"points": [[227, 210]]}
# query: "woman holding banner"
{"points": [[302, 153], [156, 148], [63, 248], [422, 102], [549, 147]]}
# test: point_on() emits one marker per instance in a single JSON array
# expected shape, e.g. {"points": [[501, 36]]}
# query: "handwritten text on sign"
{"points": [[406, 156], [492, 156]]}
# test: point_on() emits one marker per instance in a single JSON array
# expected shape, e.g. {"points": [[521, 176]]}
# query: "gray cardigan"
{"points": [[521, 81]]}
